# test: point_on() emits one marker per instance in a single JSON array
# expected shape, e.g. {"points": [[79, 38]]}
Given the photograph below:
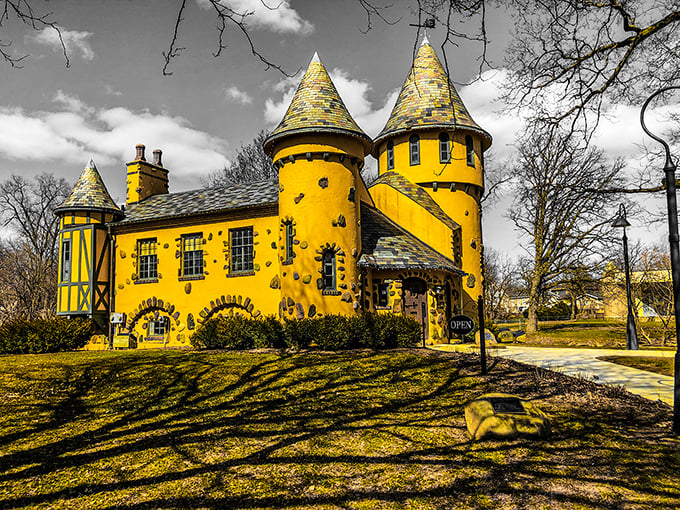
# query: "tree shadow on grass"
{"points": [[274, 430]]}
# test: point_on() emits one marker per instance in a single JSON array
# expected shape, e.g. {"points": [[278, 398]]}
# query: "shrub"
{"points": [[24, 336], [300, 333], [333, 333], [229, 333], [394, 331], [329, 332], [272, 333]]}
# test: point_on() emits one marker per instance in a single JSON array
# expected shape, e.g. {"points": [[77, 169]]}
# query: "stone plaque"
{"points": [[507, 405]]}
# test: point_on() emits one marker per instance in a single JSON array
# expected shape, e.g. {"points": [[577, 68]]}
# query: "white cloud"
{"points": [[110, 91], [353, 92], [76, 42], [239, 96], [275, 15], [71, 103], [109, 135]]}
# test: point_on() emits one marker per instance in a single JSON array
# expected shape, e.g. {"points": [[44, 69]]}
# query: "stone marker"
{"points": [[503, 416], [488, 338]]}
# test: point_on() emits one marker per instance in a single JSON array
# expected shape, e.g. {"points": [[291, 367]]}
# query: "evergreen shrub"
{"points": [[35, 336], [329, 332]]}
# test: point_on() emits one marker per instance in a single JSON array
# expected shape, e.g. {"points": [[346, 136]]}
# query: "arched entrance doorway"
{"points": [[415, 301]]}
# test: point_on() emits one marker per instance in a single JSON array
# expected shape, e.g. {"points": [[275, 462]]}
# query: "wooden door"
{"points": [[415, 301]]}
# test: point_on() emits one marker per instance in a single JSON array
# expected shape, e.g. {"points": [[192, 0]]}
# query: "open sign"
{"points": [[461, 325]]}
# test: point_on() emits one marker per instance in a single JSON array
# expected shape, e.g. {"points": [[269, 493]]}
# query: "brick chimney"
{"points": [[157, 154], [145, 179]]}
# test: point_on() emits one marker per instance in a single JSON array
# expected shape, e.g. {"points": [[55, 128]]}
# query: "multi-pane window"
{"points": [[157, 328], [192, 255], [241, 250], [290, 234], [469, 151], [390, 155], [383, 294], [328, 269], [414, 149], [147, 259], [66, 260], [444, 148]]}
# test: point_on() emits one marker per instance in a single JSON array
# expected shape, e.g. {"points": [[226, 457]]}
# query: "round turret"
{"points": [[319, 151]]}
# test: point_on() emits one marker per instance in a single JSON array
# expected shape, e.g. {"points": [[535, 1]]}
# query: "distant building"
{"points": [[317, 241]]}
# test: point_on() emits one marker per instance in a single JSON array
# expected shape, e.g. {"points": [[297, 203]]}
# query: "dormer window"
{"points": [[444, 148], [390, 155], [469, 151], [414, 149]]}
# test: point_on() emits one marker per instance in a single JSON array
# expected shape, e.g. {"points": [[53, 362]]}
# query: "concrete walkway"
{"points": [[584, 363]]}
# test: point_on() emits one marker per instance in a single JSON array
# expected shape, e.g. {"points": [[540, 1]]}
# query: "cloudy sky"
{"points": [[114, 95]]}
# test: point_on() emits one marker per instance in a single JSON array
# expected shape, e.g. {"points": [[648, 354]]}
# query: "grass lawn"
{"points": [[361, 430], [594, 334], [663, 366]]}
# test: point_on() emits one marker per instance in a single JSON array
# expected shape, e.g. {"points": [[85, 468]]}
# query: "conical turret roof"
{"points": [[428, 99], [90, 194], [316, 108]]}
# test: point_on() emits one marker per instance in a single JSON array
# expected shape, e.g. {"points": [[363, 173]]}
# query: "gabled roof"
{"points": [[89, 194], [428, 100], [385, 245], [316, 108], [417, 194], [203, 202]]}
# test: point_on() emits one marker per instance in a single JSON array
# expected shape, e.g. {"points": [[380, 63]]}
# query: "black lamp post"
{"points": [[631, 333], [669, 170]]}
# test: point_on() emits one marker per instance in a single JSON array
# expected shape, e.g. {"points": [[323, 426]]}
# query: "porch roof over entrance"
{"points": [[385, 245]]}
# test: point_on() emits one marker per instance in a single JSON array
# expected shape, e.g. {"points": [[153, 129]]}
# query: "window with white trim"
{"points": [[192, 255], [147, 259], [241, 243], [414, 149]]}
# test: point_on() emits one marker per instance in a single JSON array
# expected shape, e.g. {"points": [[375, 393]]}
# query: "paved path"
{"points": [[584, 363]]}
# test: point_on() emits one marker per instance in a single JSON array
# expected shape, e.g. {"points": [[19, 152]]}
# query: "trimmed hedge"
{"points": [[24, 336], [329, 333]]}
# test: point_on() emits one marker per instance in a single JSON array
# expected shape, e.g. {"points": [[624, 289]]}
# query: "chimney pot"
{"points": [[140, 153], [157, 154]]}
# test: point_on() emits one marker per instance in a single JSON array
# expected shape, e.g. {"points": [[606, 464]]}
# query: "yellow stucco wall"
{"points": [[186, 301], [459, 188], [318, 180]]}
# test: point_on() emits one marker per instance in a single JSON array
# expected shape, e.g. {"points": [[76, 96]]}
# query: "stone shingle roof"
{"points": [[89, 194], [203, 201], [428, 99], [316, 108], [417, 194], [385, 245]]}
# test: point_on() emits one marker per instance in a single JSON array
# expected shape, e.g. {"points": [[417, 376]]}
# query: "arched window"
{"points": [[414, 149], [390, 155], [328, 269], [444, 148], [469, 151]]}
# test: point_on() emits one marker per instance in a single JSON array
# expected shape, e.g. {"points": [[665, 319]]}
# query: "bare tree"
{"points": [[500, 274], [578, 53], [558, 207], [252, 164], [653, 286], [28, 272], [24, 12]]}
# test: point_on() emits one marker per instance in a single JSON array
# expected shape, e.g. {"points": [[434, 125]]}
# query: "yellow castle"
{"points": [[315, 242]]}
